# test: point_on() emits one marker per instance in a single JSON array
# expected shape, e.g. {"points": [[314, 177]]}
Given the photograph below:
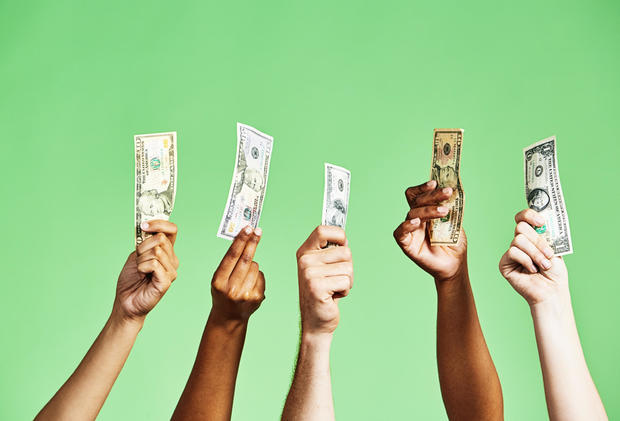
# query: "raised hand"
{"points": [[442, 262], [148, 272], [529, 264], [238, 286], [325, 275], [238, 289]]}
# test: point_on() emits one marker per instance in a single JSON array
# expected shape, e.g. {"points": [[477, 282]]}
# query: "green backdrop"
{"points": [[359, 84]]}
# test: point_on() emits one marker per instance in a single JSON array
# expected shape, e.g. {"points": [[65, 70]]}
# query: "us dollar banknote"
{"points": [[445, 169], [544, 194], [247, 190], [336, 196], [156, 178]]}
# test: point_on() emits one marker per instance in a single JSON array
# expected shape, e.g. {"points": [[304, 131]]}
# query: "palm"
{"points": [[440, 261], [137, 293], [534, 287]]}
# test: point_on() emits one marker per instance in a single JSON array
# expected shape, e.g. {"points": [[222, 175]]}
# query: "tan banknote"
{"points": [[544, 194], [156, 178], [445, 169], [336, 195], [247, 190]]}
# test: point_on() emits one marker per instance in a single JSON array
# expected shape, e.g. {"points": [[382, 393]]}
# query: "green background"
{"points": [[359, 84]]}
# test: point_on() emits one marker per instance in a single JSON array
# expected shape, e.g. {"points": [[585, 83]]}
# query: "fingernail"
{"points": [[442, 209], [415, 221], [548, 251], [533, 269], [248, 229], [431, 183], [144, 225], [539, 220], [447, 190], [546, 264], [258, 231]]}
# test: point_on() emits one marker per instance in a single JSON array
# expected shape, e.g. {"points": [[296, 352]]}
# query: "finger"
{"points": [[231, 257], [426, 213], [334, 269], [322, 235], [523, 243], [433, 197], [403, 232], [259, 287], [158, 239], [412, 192], [531, 217], [538, 240], [339, 286], [327, 256], [157, 271], [519, 256], [158, 225], [247, 284], [245, 260]]}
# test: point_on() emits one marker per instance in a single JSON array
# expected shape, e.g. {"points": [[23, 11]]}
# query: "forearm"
{"points": [[469, 383], [211, 385], [569, 389], [310, 397], [83, 394]]}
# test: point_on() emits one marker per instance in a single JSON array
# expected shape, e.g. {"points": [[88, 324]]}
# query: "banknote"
{"points": [[544, 194], [247, 190], [445, 169], [156, 178], [336, 197]]}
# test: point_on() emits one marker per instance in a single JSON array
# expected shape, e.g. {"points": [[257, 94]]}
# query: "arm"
{"points": [[469, 383], [542, 279], [325, 276], [145, 278], [238, 288]]}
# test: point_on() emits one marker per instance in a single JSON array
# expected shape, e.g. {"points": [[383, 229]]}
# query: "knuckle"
{"points": [[308, 272], [304, 260], [346, 253]]}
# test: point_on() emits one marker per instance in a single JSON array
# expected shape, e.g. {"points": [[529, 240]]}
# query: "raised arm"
{"points": [[238, 288], [542, 279], [469, 383], [144, 280], [325, 275]]}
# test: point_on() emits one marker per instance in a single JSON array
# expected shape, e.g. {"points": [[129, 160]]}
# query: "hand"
{"points": [[325, 275], [529, 264], [238, 287], [148, 272], [442, 262]]}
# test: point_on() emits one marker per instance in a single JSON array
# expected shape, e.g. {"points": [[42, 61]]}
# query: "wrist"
{"points": [[120, 321], [453, 282], [553, 306], [316, 339], [227, 323]]}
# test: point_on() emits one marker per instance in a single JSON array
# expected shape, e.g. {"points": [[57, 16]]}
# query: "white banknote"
{"points": [[544, 194], [156, 178], [336, 197], [247, 190]]}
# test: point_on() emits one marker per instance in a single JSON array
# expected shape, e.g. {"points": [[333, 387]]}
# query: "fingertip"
{"points": [[258, 232], [414, 222], [144, 225], [431, 184]]}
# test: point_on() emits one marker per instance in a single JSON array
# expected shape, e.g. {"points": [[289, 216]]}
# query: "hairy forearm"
{"points": [[210, 388], [569, 389], [310, 397], [83, 394], [469, 383]]}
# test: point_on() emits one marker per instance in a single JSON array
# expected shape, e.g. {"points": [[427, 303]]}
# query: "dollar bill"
{"points": [[156, 178], [336, 197], [247, 190], [445, 169], [544, 194]]}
